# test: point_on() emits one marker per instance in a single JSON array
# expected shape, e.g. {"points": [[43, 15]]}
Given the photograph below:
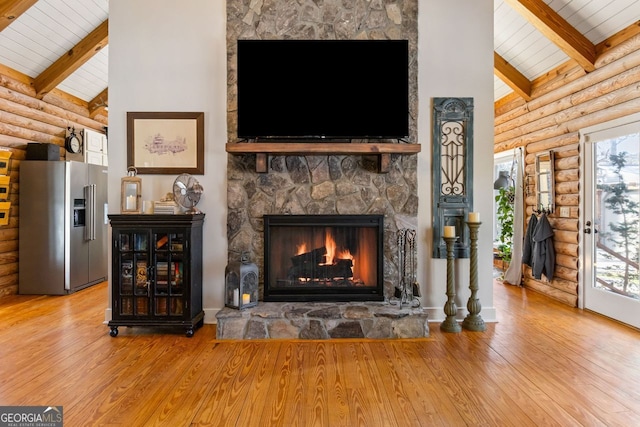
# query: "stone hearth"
{"points": [[313, 320]]}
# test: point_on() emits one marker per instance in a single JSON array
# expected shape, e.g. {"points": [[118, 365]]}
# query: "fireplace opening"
{"points": [[323, 257]]}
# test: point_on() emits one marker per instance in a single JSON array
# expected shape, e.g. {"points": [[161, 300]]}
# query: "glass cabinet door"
{"points": [[134, 274], [169, 267]]}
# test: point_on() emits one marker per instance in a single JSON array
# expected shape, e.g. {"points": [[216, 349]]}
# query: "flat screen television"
{"points": [[323, 89]]}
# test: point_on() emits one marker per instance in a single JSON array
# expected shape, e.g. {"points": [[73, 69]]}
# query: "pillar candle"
{"points": [[474, 216], [449, 231], [131, 203], [236, 297], [246, 299]]}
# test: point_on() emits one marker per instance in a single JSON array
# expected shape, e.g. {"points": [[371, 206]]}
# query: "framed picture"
{"points": [[165, 143]]}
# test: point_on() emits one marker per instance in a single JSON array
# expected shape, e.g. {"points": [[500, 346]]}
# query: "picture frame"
{"points": [[166, 143]]}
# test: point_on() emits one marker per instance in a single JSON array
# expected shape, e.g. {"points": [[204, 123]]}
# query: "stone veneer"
{"points": [[320, 184], [300, 320]]}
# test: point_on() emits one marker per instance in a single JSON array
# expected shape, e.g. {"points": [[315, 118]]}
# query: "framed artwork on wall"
{"points": [[165, 143]]}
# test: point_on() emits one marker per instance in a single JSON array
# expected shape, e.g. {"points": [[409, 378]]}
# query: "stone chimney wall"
{"points": [[320, 184]]}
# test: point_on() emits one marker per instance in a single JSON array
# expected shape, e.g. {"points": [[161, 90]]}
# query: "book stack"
{"points": [[162, 277], [169, 207]]}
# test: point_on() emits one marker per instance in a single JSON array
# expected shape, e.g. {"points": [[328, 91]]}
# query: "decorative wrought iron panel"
{"points": [[452, 171]]}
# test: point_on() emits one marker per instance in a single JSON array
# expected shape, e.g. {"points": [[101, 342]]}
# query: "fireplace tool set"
{"points": [[407, 291]]}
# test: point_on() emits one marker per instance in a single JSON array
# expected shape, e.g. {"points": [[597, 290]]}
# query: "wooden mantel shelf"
{"points": [[263, 149]]}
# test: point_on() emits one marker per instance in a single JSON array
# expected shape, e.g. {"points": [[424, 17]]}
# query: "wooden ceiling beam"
{"points": [[556, 29], [72, 60], [511, 76], [99, 104], [11, 9]]}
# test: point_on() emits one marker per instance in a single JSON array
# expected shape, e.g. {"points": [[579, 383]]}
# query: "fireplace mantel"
{"points": [[264, 149]]}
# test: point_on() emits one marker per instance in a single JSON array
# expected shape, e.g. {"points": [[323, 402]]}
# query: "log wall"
{"points": [[564, 104], [24, 119]]}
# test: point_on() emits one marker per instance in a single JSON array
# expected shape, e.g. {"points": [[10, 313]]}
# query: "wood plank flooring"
{"points": [[542, 364]]}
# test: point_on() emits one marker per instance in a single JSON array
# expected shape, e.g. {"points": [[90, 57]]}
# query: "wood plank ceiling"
{"points": [[534, 37], [63, 44]]}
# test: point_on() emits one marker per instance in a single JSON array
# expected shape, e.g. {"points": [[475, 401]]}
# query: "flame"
{"points": [[333, 255], [301, 248]]}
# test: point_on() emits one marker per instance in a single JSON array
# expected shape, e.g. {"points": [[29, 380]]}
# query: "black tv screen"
{"points": [[325, 89]]}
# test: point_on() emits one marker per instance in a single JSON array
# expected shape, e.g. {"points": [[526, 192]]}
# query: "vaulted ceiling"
{"points": [[62, 45], [536, 39]]}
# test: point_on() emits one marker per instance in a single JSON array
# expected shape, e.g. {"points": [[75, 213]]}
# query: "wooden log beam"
{"points": [[607, 112], [612, 84], [8, 246], [565, 236], [563, 115], [56, 114], [16, 85], [9, 285], [572, 187], [565, 285], [569, 286], [555, 79], [570, 262], [558, 30], [567, 163], [32, 114], [9, 257], [566, 273], [564, 248], [303, 149], [13, 143], [10, 10], [563, 146], [568, 175], [508, 103], [550, 291], [72, 60], [567, 200], [31, 135], [26, 123], [618, 45], [553, 143], [565, 224], [617, 65], [8, 234], [511, 76]]}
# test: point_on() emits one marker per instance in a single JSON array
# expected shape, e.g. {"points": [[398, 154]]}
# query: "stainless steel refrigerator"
{"points": [[63, 226]]}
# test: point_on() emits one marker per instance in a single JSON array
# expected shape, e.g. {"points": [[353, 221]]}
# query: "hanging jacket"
{"points": [[527, 244], [543, 255]]}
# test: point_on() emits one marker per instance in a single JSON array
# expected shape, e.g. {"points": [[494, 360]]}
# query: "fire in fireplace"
{"points": [[323, 257]]}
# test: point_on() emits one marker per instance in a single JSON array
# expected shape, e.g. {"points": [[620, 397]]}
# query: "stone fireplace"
{"points": [[326, 184], [320, 184]]}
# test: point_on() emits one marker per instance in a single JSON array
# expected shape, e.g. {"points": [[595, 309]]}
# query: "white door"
{"points": [[610, 220]]}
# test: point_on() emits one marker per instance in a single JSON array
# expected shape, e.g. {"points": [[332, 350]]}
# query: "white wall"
{"points": [[170, 56], [455, 59], [166, 55]]}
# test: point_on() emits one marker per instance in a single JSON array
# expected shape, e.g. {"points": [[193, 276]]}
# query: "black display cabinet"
{"points": [[156, 271]]}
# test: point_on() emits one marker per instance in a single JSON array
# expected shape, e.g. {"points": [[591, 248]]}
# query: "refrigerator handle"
{"points": [[92, 223], [87, 211], [90, 200]]}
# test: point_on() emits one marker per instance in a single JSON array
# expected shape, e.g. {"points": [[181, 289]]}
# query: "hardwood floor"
{"points": [[543, 364]]}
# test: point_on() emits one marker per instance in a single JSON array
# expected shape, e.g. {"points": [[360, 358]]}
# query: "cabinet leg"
{"points": [[114, 331], [189, 333]]}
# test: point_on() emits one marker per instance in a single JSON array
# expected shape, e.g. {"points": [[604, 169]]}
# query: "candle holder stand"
{"points": [[450, 324], [473, 321]]}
